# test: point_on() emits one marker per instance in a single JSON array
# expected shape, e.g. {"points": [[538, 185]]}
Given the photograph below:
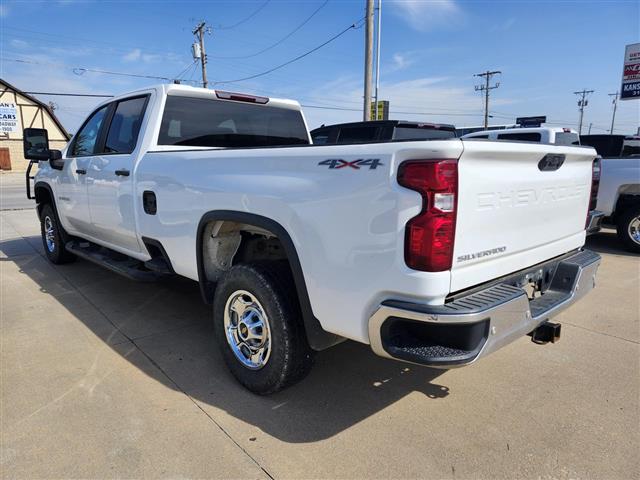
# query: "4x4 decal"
{"points": [[337, 163]]}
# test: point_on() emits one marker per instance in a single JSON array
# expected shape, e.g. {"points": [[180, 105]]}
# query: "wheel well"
{"points": [[227, 243], [625, 200], [226, 237], [43, 196]]}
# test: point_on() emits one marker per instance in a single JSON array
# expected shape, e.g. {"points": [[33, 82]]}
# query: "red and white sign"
{"points": [[631, 73]]}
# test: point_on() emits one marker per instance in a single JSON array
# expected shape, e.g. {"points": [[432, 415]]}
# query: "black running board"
{"points": [[114, 261]]}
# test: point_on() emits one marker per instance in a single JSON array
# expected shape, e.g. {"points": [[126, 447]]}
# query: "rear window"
{"points": [[567, 138], [358, 134], [200, 122], [421, 133], [479, 136], [320, 137], [522, 137]]}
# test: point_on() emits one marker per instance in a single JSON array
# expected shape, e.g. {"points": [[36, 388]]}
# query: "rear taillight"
{"points": [[595, 184], [430, 235]]}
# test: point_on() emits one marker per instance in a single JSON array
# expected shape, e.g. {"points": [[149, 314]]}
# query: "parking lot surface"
{"points": [[104, 377]]}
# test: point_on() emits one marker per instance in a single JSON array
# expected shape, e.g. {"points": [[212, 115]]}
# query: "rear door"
{"points": [[518, 204], [110, 176]]}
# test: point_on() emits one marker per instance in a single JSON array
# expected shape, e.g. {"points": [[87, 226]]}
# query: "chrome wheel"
{"points": [[49, 234], [247, 329], [634, 230]]}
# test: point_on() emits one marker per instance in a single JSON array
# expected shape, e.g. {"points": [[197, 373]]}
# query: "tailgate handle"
{"points": [[551, 162]]}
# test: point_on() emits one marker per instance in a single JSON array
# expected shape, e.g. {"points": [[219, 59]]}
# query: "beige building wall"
{"points": [[30, 114]]}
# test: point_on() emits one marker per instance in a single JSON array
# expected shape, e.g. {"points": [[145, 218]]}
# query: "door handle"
{"points": [[81, 171], [122, 173]]}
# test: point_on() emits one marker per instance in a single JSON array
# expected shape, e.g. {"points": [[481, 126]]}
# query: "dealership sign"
{"points": [[8, 117], [631, 73]]}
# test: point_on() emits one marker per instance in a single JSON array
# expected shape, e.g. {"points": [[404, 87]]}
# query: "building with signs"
{"points": [[19, 110]]}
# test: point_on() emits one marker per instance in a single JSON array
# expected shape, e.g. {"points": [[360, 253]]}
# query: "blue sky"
{"points": [[430, 51]]}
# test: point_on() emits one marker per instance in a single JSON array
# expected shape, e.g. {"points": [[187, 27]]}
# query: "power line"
{"points": [[246, 19], [615, 106], [299, 57], [583, 102], [199, 32], [486, 88], [307, 20], [82, 70], [69, 94]]}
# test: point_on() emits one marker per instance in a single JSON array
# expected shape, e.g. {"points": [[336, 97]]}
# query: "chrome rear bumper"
{"points": [[469, 327]]}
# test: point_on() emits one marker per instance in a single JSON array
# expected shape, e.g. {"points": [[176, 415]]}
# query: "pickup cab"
{"points": [[436, 253]]}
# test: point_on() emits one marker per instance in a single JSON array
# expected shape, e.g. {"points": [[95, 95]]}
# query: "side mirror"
{"points": [[35, 144]]}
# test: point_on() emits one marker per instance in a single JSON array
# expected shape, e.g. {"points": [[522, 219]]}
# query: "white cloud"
{"points": [[426, 15], [136, 55], [133, 55], [401, 61], [434, 99], [21, 44]]}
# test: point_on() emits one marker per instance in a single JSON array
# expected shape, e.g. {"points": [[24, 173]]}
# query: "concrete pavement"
{"points": [[104, 377], [13, 188]]}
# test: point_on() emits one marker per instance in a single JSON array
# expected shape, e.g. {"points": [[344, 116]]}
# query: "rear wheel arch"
{"points": [[317, 337]]}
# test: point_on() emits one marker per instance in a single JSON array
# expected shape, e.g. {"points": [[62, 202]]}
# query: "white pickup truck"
{"points": [[619, 189], [435, 253]]}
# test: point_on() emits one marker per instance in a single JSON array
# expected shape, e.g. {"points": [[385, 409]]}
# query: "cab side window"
{"points": [[86, 139], [125, 126]]}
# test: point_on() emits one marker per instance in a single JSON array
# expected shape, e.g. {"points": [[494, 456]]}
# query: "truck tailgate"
{"points": [[516, 208]]}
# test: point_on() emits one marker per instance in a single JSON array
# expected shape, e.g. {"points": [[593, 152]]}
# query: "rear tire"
{"points": [[628, 228], [54, 237], [258, 327]]}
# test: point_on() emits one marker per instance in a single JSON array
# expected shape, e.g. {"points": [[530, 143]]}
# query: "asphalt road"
{"points": [[104, 377], [13, 192]]}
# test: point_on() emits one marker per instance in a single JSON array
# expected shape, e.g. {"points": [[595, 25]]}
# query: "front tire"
{"points": [[53, 237], [628, 228], [258, 327]]}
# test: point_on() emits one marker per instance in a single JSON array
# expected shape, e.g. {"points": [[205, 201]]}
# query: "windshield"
{"points": [[201, 122]]}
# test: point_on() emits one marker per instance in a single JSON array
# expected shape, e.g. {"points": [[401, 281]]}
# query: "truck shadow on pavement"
{"points": [[170, 325], [606, 241]]}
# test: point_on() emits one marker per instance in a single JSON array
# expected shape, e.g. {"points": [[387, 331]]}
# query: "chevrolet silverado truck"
{"points": [[436, 253], [619, 192]]}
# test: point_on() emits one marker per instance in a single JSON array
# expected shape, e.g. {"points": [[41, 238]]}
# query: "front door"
{"points": [[110, 177], [71, 191]]}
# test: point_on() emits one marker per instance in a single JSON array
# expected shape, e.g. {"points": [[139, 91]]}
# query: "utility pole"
{"points": [[368, 61], [583, 102], [615, 105], [378, 32], [589, 131], [485, 88], [199, 32]]}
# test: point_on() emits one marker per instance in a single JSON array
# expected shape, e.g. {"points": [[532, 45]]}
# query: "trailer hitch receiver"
{"points": [[545, 333]]}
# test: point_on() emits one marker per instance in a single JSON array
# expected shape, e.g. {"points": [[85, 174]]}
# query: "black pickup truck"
{"points": [[380, 131]]}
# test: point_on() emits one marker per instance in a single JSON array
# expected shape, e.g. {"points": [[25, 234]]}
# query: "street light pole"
{"points": [[368, 60], [378, 33]]}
